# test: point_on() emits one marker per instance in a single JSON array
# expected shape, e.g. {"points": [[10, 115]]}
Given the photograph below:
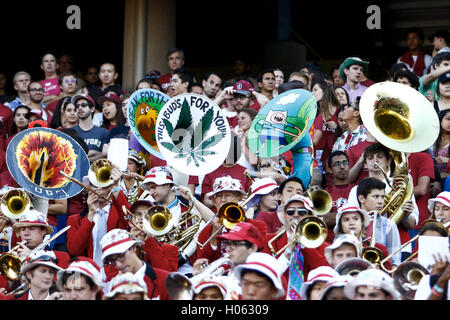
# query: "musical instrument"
{"points": [[100, 173], [179, 287], [407, 277], [10, 263], [372, 253], [36, 156], [310, 232], [229, 214], [14, 203], [134, 196], [404, 121], [90, 189], [283, 124], [353, 266], [322, 201]]}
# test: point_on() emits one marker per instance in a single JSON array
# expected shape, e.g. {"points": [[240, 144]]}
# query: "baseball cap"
{"points": [[110, 96], [243, 231], [243, 87], [89, 99], [37, 112]]}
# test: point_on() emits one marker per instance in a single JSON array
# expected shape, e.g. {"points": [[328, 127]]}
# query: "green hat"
{"points": [[348, 62]]}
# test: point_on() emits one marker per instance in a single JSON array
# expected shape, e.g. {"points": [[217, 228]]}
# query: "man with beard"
{"points": [[36, 92], [94, 136]]}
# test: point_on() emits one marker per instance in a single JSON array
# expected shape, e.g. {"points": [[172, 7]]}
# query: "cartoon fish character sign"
{"points": [[142, 111], [282, 123]]}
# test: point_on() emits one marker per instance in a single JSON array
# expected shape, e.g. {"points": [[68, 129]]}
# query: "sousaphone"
{"points": [[37, 156]]}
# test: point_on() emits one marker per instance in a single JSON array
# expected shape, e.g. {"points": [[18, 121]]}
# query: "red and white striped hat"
{"points": [[267, 265], [31, 218], [322, 273], [346, 208], [212, 281], [116, 241], [158, 175], [443, 197], [84, 265], [126, 283], [263, 186], [307, 202]]}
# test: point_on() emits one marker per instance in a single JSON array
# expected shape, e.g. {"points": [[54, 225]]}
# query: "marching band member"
{"points": [[131, 180], [439, 207], [119, 250], [88, 228], [225, 189], [127, 286], [296, 260]]}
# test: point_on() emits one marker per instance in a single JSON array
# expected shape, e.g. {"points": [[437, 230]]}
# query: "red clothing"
{"points": [[271, 220], [339, 194], [313, 257], [162, 256], [154, 278], [367, 83], [354, 153], [6, 121], [79, 236], [383, 249], [421, 164], [164, 81], [236, 172], [211, 254]]}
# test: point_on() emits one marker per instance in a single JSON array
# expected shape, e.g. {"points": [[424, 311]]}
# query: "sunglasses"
{"points": [[300, 211], [84, 105]]}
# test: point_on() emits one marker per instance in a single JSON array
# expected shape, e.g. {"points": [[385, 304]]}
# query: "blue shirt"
{"points": [[95, 137]]}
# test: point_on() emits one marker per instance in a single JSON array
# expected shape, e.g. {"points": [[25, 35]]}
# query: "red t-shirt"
{"points": [[164, 81], [421, 164], [51, 86], [354, 153], [236, 172], [339, 195]]}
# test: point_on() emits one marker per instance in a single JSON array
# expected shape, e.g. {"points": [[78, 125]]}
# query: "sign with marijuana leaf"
{"points": [[193, 134], [142, 109]]}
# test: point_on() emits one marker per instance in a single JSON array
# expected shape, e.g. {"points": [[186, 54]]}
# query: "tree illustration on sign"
{"points": [[191, 142]]}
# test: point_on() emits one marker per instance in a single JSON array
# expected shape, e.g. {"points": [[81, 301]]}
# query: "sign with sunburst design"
{"points": [[37, 156]]}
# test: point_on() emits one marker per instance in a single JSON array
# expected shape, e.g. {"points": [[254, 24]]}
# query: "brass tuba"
{"points": [[403, 120]]}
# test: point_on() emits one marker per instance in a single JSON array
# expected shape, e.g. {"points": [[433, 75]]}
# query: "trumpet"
{"points": [[14, 203], [10, 263], [310, 232]]}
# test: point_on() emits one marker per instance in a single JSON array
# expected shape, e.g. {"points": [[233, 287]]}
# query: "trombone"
{"points": [[10, 263], [322, 201], [372, 253], [230, 214], [90, 189]]}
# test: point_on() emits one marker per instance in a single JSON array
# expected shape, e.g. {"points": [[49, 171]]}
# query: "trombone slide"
{"points": [[85, 186]]}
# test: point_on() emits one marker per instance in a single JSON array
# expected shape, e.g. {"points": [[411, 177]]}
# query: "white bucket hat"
{"points": [[219, 282], [226, 183], [371, 277], [116, 241], [307, 202], [31, 218], [158, 175], [322, 273], [263, 186], [337, 282], [351, 208], [42, 257], [443, 197], [339, 241], [267, 265], [87, 266], [126, 283]]}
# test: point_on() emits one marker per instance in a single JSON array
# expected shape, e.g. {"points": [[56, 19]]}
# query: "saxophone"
{"points": [[401, 188]]}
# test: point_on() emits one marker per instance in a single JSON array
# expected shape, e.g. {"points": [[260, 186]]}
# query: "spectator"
{"points": [[415, 58], [279, 79], [196, 88], [443, 93], [181, 82], [440, 40], [126, 286], [175, 60], [264, 199], [342, 96], [266, 83], [211, 84], [395, 68], [408, 78], [351, 70], [5, 95], [20, 121], [302, 77], [68, 85], [91, 76], [50, 82], [244, 120], [428, 83], [371, 284], [242, 69], [107, 76], [21, 80], [441, 151], [318, 278], [36, 93], [337, 80]]}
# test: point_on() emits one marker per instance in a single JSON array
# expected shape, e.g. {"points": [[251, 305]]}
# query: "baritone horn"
{"points": [[14, 203]]}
